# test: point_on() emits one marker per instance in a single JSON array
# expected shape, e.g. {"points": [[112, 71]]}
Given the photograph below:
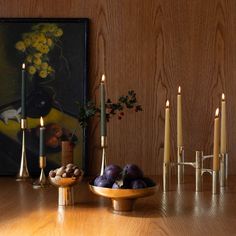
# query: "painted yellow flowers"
{"points": [[36, 45]]}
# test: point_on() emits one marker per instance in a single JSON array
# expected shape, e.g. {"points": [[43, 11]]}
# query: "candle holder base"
{"points": [[215, 182], [23, 174], [103, 165], [180, 168], [166, 177], [23, 178], [42, 182]]}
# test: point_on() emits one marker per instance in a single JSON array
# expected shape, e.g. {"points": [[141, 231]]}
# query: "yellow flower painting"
{"points": [[36, 46]]}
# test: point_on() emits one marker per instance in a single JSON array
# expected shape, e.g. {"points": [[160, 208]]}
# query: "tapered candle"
{"points": [[42, 138], [103, 107], [23, 92], [167, 134], [223, 125], [179, 119], [216, 159]]}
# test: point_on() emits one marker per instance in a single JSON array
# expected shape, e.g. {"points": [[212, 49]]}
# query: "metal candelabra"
{"points": [[219, 178]]}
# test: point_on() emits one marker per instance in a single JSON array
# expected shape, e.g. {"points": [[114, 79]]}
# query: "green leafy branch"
{"points": [[89, 110]]}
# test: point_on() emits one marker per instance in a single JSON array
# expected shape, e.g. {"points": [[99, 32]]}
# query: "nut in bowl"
{"points": [[123, 187], [65, 178]]}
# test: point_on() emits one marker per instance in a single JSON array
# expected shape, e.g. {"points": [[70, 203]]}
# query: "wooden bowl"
{"points": [[123, 199]]}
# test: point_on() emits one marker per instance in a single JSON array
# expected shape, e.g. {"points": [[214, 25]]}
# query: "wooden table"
{"points": [[27, 211]]}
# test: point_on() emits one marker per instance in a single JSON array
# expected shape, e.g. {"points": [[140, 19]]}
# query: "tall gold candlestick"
{"points": [[216, 165], [179, 119], [167, 134], [223, 126], [42, 181]]}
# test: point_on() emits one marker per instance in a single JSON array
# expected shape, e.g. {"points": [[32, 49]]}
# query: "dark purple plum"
{"points": [[115, 186], [149, 182], [112, 172], [138, 183], [121, 184], [102, 181], [132, 172]]}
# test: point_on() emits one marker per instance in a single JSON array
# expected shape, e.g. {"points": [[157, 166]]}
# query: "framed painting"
{"points": [[54, 52]]}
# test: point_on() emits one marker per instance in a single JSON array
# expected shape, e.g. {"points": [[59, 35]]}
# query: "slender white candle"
{"points": [[179, 119], [167, 134], [223, 134]]}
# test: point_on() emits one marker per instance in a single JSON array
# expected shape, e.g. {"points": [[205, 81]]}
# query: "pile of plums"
{"points": [[130, 177], [68, 171]]}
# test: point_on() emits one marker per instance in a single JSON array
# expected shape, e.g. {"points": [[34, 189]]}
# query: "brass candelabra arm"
{"points": [[193, 164], [204, 170]]}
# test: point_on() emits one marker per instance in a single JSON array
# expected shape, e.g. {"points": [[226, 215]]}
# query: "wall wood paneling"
{"points": [[153, 46]]}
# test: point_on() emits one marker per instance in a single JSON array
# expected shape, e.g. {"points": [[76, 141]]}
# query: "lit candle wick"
{"points": [[103, 78], [223, 96], [217, 112], [167, 103], [41, 121], [179, 90], [23, 66]]}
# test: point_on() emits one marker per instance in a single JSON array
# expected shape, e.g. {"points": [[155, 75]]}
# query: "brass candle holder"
{"points": [[197, 166], [42, 181], [23, 173], [219, 178], [180, 167], [223, 169], [103, 146], [166, 176]]}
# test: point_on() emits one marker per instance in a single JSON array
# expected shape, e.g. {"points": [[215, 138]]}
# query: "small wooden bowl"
{"points": [[123, 199]]}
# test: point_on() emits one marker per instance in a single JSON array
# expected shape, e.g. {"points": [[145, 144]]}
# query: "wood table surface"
{"points": [[27, 211]]}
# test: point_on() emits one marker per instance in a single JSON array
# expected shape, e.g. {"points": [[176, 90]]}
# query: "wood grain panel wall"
{"points": [[153, 46]]}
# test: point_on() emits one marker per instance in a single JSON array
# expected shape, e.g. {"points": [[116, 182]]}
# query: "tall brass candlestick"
{"points": [[103, 124], [42, 181], [23, 173]]}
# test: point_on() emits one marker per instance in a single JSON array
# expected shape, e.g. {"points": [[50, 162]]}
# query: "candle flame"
{"points": [[41, 121], [103, 78], [223, 96], [167, 103], [179, 90], [217, 112], [23, 66]]}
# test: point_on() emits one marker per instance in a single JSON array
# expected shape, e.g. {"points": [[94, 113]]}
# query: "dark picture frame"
{"points": [[64, 86]]}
